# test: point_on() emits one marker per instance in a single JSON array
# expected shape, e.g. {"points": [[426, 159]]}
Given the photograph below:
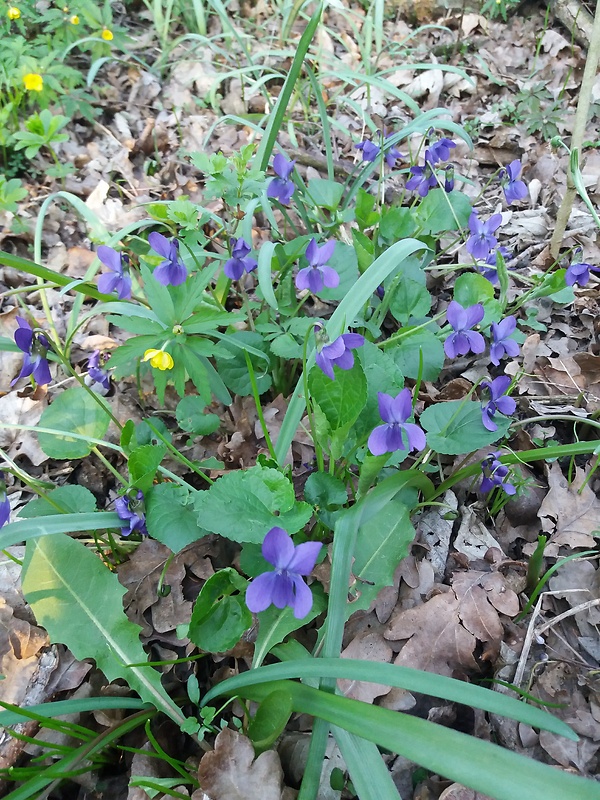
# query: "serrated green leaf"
{"points": [[241, 505], [342, 399], [73, 411], [79, 602], [407, 352], [234, 370], [143, 463], [192, 417], [440, 211], [171, 517]]}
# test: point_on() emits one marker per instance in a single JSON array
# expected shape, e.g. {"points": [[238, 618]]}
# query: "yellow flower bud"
{"points": [[13, 13], [33, 82], [107, 35], [74, 20], [159, 359]]}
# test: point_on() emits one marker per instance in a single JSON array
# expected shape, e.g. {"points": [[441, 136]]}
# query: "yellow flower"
{"points": [[74, 20], [107, 35], [33, 82], [158, 359], [13, 13]]}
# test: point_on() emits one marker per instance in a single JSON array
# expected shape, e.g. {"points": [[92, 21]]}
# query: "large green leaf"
{"points": [[455, 427], [62, 500], [245, 504], [79, 602], [439, 212], [73, 411], [407, 354]]}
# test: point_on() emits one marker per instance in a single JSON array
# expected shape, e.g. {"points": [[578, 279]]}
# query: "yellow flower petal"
{"points": [[33, 82], [74, 20], [13, 13], [107, 35], [159, 359]]}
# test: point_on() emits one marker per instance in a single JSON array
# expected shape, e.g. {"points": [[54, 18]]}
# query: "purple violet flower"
{"points": [[494, 475], [131, 511], [488, 269], [423, 178], [338, 353], [498, 401], [482, 238], [97, 378], [282, 188], [440, 150], [171, 271], [514, 189], [4, 502], [449, 179], [579, 274], [239, 262], [118, 279], [502, 344], [388, 438], [370, 150], [35, 346], [318, 275], [464, 340], [284, 586]]}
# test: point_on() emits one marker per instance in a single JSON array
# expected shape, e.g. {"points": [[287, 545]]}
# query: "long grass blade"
{"points": [[368, 771]]}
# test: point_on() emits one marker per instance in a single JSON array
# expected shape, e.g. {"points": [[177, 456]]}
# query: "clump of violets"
{"points": [[464, 340], [423, 178], [371, 151], [514, 189], [495, 475], [498, 401], [118, 278], [337, 353], [579, 273], [4, 502], [239, 262], [318, 274], [284, 585], [282, 187], [396, 433], [97, 378], [35, 345], [482, 238], [131, 511], [172, 271], [502, 345]]}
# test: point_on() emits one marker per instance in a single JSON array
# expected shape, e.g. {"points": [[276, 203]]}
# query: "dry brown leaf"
{"points": [[437, 641], [20, 644], [570, 517], [230, 771]]}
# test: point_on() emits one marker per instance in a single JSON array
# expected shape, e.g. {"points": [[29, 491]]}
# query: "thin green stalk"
{"points": [[308, 403], [109, 466], [257, 403], [179, 456]]}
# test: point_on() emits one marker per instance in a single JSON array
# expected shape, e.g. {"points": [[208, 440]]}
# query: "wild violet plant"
{"points": [[373, 434]]}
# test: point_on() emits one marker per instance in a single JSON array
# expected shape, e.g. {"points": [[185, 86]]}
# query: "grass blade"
{"points": [[277, 116], [482, 766], [368, 771]]}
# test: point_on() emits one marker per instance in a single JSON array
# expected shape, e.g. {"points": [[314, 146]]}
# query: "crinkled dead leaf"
{"points": [[20, 644], [569, 516], [437, 641], [367, 646], [230, 771]]}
